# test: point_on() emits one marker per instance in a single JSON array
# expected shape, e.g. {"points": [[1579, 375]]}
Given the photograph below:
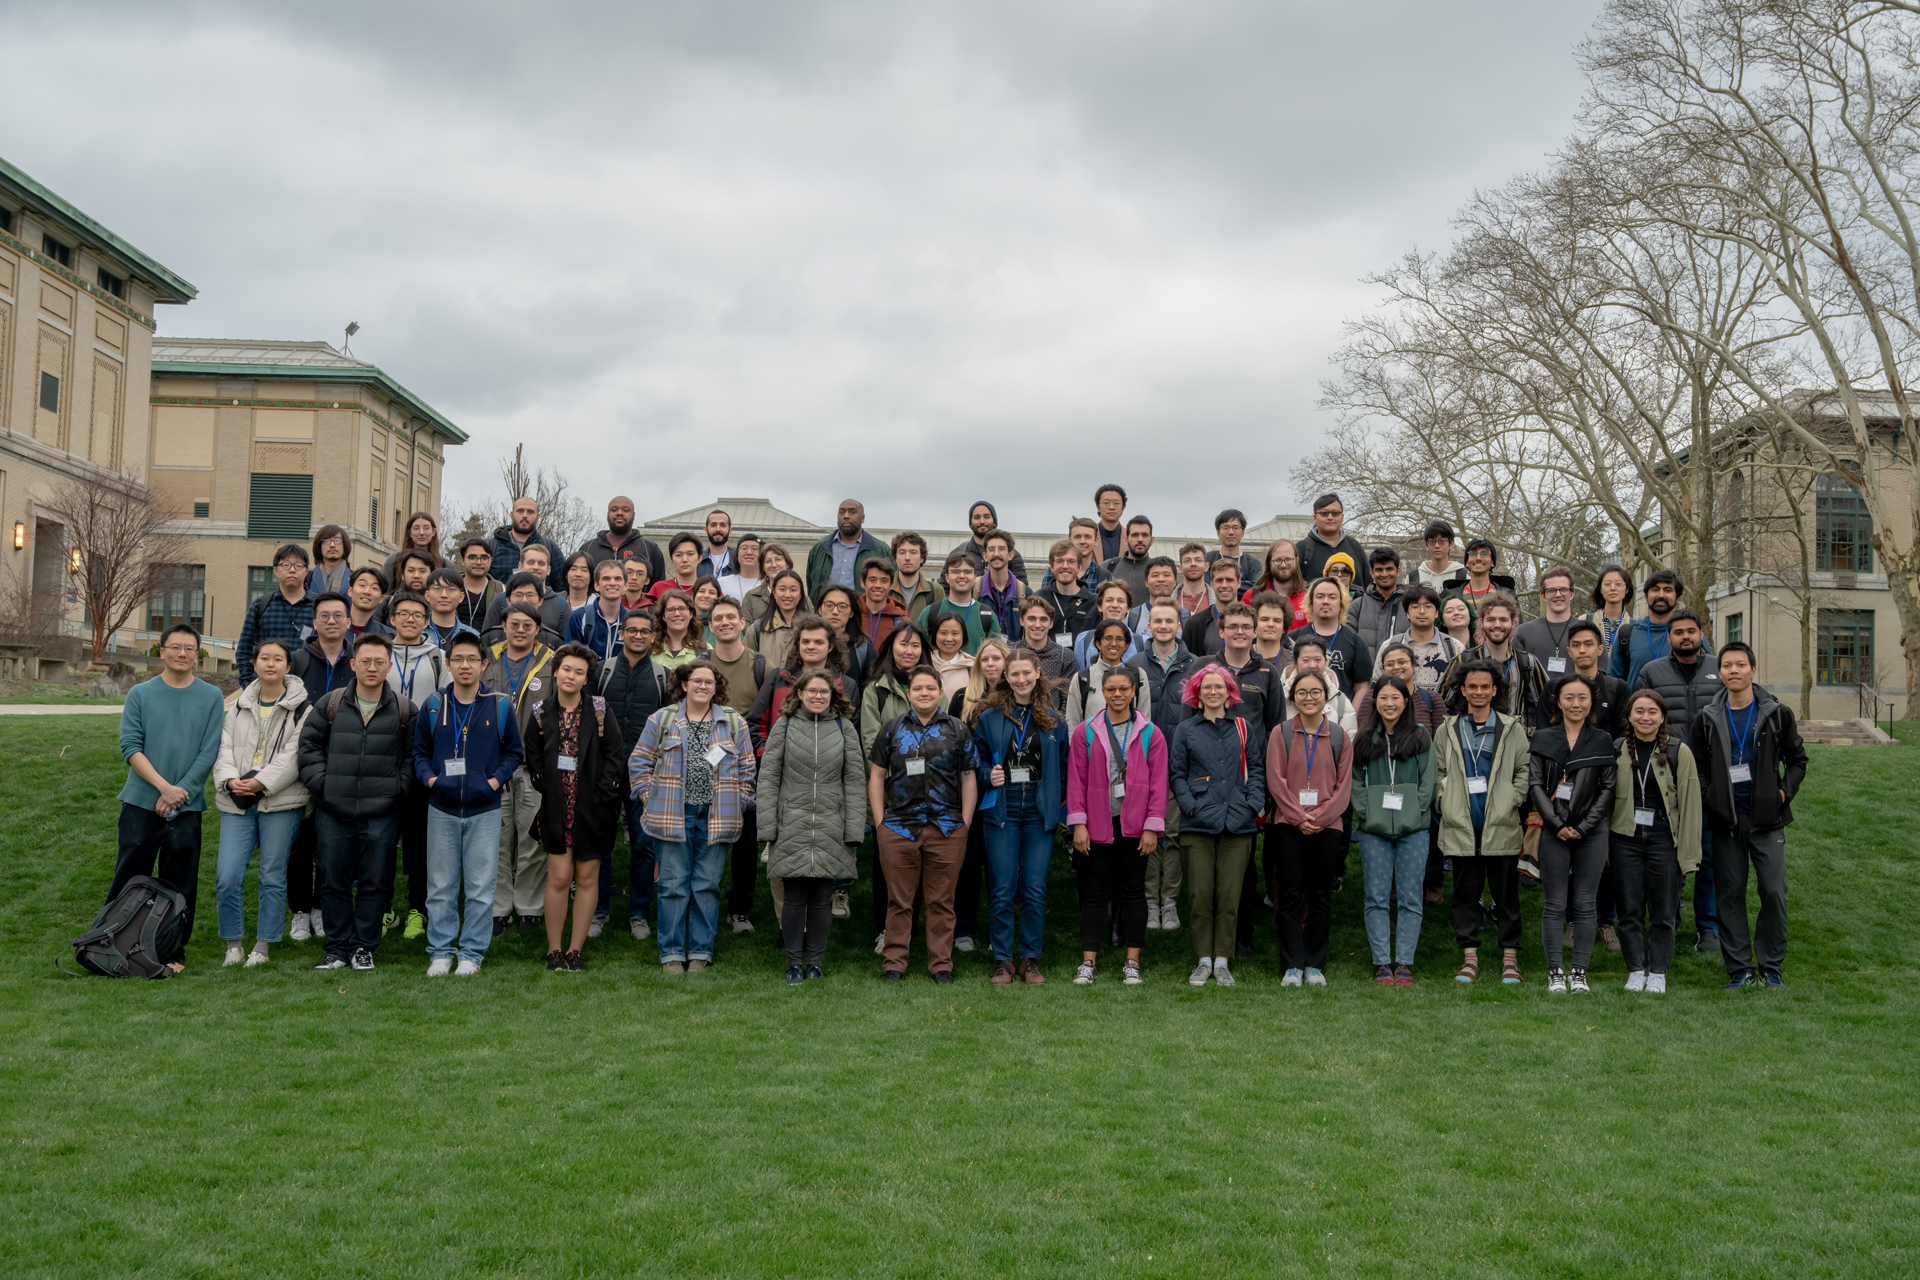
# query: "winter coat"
{"points": [[1376, 616], [811, 796], [772, 639], [1217, 776], [819, 566], [993, 734], [1586, 764], [1678, 781], [1507, 771], [1089, 802], [772, 702], [357, 769], [600, 767], [492, 750], [534, 675], [1165, 685], [1774, 753], [506, 555], [1685, 698], [657, 771], [1314, 554], [882, 701], [1415, 777], [418, 672], [634, 691], [240, 736], [600, 547]]}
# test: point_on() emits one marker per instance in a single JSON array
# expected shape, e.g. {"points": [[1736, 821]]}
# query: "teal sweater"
{"points": [[179, 730]]}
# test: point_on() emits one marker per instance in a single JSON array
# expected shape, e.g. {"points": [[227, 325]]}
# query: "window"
{"points": [[50, 391], [1736, 627], [280, 507], [112, 283], [6, 221], [201, 510], [1841, 528], [181, 598], [260, 581], [57, 251], [1845, 649], [373, 515]]}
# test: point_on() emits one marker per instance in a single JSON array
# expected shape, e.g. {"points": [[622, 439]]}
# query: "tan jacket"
{"points": [[1679, 792]]}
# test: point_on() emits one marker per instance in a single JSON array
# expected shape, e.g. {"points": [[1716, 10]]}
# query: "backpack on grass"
{"points": [[131, 933]]}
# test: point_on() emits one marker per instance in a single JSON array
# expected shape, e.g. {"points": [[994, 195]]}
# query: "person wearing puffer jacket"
{"points": [[1381, 610], [256, 787], [1570, 781], [1218, 776], [811, 798]]}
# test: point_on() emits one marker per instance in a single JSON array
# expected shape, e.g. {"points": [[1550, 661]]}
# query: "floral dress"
{"points": [[570, 778]]}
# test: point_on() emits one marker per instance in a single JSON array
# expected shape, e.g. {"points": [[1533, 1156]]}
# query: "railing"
{"points": [[1869, 703]]}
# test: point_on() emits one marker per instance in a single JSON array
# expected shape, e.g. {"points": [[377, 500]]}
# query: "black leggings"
{"points": [[1307, 866], [1107, 871], [1570, 876], [746, 867], [805, 917], [1646, 876]]}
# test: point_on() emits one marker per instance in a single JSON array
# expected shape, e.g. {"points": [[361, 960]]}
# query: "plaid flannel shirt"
{"points": [[657, 771]]}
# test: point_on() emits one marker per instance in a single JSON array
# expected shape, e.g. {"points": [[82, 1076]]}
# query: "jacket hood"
{"points": [[415, 652], [1765, 704], [505, 531], [1594, 747], [293, 694]]}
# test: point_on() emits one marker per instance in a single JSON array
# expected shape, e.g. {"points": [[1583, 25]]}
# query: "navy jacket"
{"points": [[1205, 774], [492, 751], [993, 735]]}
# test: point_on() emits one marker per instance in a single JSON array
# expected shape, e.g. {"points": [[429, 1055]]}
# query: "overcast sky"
{"points": [[919, 254]]}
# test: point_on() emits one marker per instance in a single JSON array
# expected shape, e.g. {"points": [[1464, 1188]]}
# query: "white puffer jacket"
{"points": [[280, 770]]}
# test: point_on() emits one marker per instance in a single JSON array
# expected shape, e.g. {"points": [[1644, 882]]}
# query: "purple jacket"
{"points": [[1089, 804]]}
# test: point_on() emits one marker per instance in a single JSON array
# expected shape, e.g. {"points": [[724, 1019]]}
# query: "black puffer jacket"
{"points": [[1589, 763], [357, 769], [1204, 770], [599, 764], [1686, 698], [633, 693]]}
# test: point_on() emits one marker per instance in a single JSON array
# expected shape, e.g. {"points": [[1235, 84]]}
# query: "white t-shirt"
{"points": [[736, 586]]}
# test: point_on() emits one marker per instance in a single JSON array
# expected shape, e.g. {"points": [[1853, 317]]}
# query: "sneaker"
{"points": [[527, 924], [1577, 982], [1339, 883], [1708, 941], [1153, 918], [318, 925], [1130, 973], [331, 962], [501, 924], [1610, 936], [1002, 973], [1221, 978], [1637, 980], [1383, 975], [795, 975], [596, 926], [944, 978], [576, 963], [841, 908], [963, 943], [698, 966], [1403, 975], [1169, 917], [299, 931], [362, 960], [1201, 972], [673, 968], [1315, 978], [416, 925], [892, 975], [388, 921], [466, 969], [1030, 973], [556, 962], [1741, 980], [880, 943], [740, 923], [1556, 982], [814, 971], [1083, 976], [1656, 984], [1771, 979], [235, 955], [440, 967], [1291, 978], [641, 931], [256, 958]]}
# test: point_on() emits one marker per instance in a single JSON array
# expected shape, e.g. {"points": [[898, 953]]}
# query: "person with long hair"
{"points": [[882, 701], [677, 635], [1281, 576], [771, 634], [1612, 599], [1310, 777], [775, 559], [950, 659], [1117, 806], [811, 803], [332, 547], [577, 575], [1114, 600], [1219, 779], [1395, 780], [1023, 747], [840, 606], [706, 593], [423, 534], [256, 786], [1655, 841], [965, 705], [694, 766], [1459, 621], [1570, 781]]}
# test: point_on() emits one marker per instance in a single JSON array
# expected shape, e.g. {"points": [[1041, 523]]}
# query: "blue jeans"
{"points": [[463, 854], [690, 873], [239, 833], [1018, 853], [1706, 907], [639, 868], [1386, 864]]}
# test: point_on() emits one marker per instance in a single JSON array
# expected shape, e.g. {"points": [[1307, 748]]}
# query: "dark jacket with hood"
{"points": [[1687, 689], [633, 692], [1589, 764], [1774, 752], [1016, 566], [491, 749], [600, 547], [1165, 684], [1376, 616], [308, 665], [1216, 793], [1314, 554], [600, 765]]}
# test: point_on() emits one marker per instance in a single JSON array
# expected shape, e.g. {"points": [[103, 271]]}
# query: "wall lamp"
{"points": [[73, 560], [19, 535]]}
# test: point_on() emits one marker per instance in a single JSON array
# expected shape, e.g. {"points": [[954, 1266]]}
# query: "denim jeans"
{"points": [[639, 866], [690, 872], [1018, 854], [353, 878], [463, 855], [1386, 864], [239, 833]]}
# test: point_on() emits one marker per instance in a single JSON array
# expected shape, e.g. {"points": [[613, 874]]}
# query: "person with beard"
{"points": [[983, 519], [838, 557], [1282, 578], [1545, 637], [1328, 537], [1380, 611], [1074, 603], [511, 540], [719, 560], [1130, 566], [1687, 680], [1525, 678], [1349, 658], [1201, 634], [1646, 639], [619, 541]]}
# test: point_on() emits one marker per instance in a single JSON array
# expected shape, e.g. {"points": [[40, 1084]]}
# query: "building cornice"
{"points": [[323, 406], [94, 291]]}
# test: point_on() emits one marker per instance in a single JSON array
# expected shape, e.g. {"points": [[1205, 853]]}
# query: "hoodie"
{"points": [[1016, 566], [418, 672], [486, 739]]}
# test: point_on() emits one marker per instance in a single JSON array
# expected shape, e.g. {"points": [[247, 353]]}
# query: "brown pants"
{"points": [[931, 862]]}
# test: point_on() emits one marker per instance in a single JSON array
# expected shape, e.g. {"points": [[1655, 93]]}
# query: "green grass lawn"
{"points": [[276, 1121]]}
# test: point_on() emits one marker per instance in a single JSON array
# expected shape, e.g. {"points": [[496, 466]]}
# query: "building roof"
{"points": [[167, 285], [308, 361], [755, 515], [1270, 531]]}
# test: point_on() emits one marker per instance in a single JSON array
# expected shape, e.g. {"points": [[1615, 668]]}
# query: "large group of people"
{"points": [[493, 718]]}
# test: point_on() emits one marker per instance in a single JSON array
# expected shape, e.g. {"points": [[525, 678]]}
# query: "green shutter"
{"points": [[280, 507]]}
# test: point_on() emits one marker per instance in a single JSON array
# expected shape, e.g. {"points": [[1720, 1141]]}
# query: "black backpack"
{"points": [[131, 933]]}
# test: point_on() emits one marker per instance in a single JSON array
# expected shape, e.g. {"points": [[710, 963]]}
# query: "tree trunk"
{"points": [[1903, 577]]}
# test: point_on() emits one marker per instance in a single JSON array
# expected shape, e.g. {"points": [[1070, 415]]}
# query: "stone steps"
{"points": [[1843, 733]]}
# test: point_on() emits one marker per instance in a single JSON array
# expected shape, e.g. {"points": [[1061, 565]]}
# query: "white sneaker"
{"points": [[441, 967], [740, 924], [641, 929], [1291, 978], [1083, 976], [1153, 917], [880, 943], [1221, 978], [1169, 917], [596, 926], [841, 907], [235, 955], [257, 958], [466, 969], [1130, 973], [1656, 984], [1637, 980], [963, 943], [318, 924], [1556, 982], [1315, 978], [299, 931], [1201, 972]]}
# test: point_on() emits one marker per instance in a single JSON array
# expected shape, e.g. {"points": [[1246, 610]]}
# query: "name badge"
{"points": [[566, 764], [1393, 800], [1063, 638], [1643, 817], [1741, 773], [455, 769], [1119, 790], [1564, 791], [1020, 775], [1476, 786], [1557, 666], [916, 766], [1309, 798], [715, 754]]}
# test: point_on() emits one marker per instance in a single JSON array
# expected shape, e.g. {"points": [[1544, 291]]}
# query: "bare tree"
{"points": [[126, 547]]}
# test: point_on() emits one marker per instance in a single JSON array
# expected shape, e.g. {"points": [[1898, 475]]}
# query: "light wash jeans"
{"points": [[463, 854], [689, 891], [1386, 863], [239, 833]]}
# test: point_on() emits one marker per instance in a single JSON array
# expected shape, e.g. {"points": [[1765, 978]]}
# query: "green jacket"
{"points": [[1416, 780], [1679, 783], [880, 701], [1500, 835], [820, 562]]}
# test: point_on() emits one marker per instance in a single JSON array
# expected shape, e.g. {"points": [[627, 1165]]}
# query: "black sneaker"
{"points": [[363, 959], [1243, 951], [892, 975], [944, 977], [1708, 941], [529, 923], [1771, 979], [500, 924], [556, 962], [813, 971], [576, 963], [1741, 981], [331, 962], [795, 975]]}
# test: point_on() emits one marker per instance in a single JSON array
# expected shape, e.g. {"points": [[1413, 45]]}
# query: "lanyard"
{"points": [[331, 664], [1313, 742], [513, 681], [1393, 778], [1651, 651], [1020, 734], [873, 621], [1468, 734], [1646, 775], [1559, 641], [406, 681], [1120, 739], [439, 636], [915, 739], [460, 744], [1741, 736]]}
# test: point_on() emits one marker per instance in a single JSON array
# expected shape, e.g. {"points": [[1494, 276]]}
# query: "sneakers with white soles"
{"points": [[299, 930], [466, 969], [440, 967], [1221, 977], [1201, 972], [1637, 980]]}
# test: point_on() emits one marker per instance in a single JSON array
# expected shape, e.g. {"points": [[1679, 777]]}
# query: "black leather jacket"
{"points": [[1589, 764]]}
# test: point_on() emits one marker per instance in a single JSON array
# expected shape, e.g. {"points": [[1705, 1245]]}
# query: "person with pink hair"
{"points": [[1217, 776]]}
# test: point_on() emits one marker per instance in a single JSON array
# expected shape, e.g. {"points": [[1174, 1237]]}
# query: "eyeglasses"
{"points": [[291, 564], [1557, 591]]}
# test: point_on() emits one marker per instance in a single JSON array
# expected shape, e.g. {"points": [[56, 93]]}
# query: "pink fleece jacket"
{"points": [[1287, 774], [1090, 804]]}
